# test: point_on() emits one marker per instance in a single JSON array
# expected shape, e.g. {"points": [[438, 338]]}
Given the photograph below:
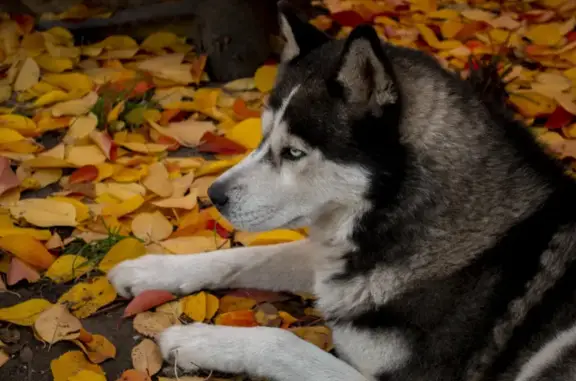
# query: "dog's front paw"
{"points": [[150, 272], [202, 346]]}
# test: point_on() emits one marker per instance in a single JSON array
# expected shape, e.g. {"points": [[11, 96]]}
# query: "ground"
{"points": [[107, 149]]}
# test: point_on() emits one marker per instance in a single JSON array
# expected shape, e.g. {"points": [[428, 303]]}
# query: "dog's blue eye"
{"points": [[290, 153]]}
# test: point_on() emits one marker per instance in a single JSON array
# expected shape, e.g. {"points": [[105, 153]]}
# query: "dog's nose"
{"points": [[217, 194]]}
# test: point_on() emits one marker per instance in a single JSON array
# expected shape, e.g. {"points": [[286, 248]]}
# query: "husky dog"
{"points": [[442, 238]]}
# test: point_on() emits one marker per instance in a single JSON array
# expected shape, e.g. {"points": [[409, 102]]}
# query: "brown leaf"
{"points": [[57, 324], [134, 375], [150, 324], [146, 357], [20, 270], [267, 315]]}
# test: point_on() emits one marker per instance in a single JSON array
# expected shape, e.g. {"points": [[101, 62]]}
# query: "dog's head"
{"points": [[330, 120]]}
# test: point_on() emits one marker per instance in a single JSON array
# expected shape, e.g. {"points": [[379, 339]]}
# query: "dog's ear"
{"points": [[364, 71], [301, 37]]}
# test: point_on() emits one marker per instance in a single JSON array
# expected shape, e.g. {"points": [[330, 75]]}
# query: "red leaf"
{"points": [[213, 143], [146, 300], [213, 225], [8, 178], [559, 118], [84, 174], [21, 271], [571, 36], [24, 21], [348, 18]]}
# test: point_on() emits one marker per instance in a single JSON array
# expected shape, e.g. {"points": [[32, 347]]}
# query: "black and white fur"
{"points": [[442, 239]]}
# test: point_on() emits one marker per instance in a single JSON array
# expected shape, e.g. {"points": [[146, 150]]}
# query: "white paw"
{"points": [[202, 346], [151, 272]]}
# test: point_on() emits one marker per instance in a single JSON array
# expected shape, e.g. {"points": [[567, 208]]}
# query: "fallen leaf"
{"points": [[146, 357], [151, 324], [134, 375], [267, 315], [265, 78], [195, 306], [188, 133], [56, 324], [84, 174], [88, 297], [181, 185], [28, 76], [68, 267], [28, 249], [98, 349], [76, 107], [24, 313], [187, 202], [195, 244], [247, 133], [71, 364], [320, 336], [151, 227], [268, 238], [212, 143], [229, 303], [21, 271], [45, 213], [157, 180], [128, 206], [8, 179], [85, 155], [243, 318], [146, 300], [128, 248], [87, 375]]}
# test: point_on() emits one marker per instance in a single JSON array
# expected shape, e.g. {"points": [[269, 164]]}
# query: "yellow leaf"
{"points": [[87, 375], [320, 336], [216, 216], [71, 364], [158, 41], [67, 267], [151, 324], [430, 37], [85, 155], [120, 191], [88, 297], [56, 324], [532, 104], [76, 107], [265, 77], [151, 227], [77, 83], [9, 136], [24, 313], [157, 180], [195, 306], [28, 249], [128, 248], [247, 133], [81, 128], [126, 207], [545, 34], [17, 122], [54, 64], [212, 305], [146, 357], [187, 202], [105, 170], [218, 166], [194, 244], [51, 97], [47, 162], [115, 112], [117, 42], [45, 213], [230, 303], [82, 211], [28, 76], [269, 238], [146, 148], [130, 175]]}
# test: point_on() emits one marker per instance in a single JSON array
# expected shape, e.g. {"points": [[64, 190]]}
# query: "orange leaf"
{"points": [[237, 319], [134, 375], [27, 248], [146, 300], [85, 336], [168, 115], [83, 174], [98, 349], [19, 271], [242, 111]]}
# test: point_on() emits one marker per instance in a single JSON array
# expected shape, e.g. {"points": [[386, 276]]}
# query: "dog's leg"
{"points": [[281, 267], [260, 351]]}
